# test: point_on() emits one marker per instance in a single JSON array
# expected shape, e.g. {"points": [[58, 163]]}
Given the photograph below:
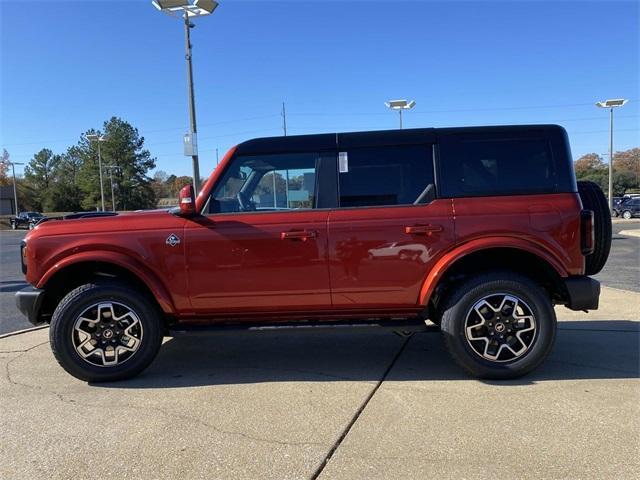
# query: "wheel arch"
{"points": [[479, 256], [73, 271]]}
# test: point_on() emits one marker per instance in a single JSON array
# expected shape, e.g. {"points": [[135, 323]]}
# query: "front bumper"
{"points": [[29, 301], [583, 293]]}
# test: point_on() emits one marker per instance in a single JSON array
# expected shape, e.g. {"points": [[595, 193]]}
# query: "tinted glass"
{"points": [[267, 183], [395, 175], [473, 165]]}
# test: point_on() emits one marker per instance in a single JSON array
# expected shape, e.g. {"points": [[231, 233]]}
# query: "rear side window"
{"points": [[390, 175], [475, 165]]}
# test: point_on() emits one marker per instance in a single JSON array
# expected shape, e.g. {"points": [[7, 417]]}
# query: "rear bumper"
{"points": [[29, 301], [583, 293]]}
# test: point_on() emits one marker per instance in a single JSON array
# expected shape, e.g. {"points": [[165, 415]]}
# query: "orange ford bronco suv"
{"points": [[479, 230]]}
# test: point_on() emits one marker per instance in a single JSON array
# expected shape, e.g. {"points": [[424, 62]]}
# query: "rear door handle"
{"points": [[422, 229], [303, 235]]}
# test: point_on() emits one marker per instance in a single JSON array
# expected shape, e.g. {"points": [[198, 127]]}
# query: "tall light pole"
{"points": [[15, 190], [188, 9], [400, 105], [111, 168], [92, 137], [611, 104]]}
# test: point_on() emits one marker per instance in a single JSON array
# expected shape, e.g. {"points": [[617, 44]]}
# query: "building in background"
{"points": [[7, 206]]}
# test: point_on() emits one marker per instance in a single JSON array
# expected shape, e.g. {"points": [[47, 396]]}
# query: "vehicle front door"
{"points": [[262, 244], [389, 228]]}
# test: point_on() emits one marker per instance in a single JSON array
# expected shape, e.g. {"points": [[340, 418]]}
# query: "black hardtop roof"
{"points": [[329, 141]]}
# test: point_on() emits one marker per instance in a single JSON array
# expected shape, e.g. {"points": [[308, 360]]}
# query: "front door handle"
{"points": [[303, 235], [422, 229]]}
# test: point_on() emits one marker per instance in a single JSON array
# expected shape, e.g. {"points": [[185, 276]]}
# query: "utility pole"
{"points": [[15, 190], [99, 138], [111, 168], [284, 119]]}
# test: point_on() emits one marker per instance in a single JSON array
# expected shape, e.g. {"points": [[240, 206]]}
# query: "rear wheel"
{"points": [[105, 332], [499, 325], [593, 199], [627, 215]]}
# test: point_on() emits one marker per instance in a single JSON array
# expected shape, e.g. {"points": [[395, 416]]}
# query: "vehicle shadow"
{"points": [[583, 350]]}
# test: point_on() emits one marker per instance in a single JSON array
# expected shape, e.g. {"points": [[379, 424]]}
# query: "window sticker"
{"points": [[343, 162]]}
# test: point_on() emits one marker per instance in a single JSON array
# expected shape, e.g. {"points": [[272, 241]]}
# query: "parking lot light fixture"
{"points": [[611, 104], [187, 10], [400, 105], [92, 137], [15, 190]]}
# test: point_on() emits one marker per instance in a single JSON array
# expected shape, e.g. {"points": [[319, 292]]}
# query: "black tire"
{"points": [[459, 305], [84, 297], [593, 199], [627, 215]]}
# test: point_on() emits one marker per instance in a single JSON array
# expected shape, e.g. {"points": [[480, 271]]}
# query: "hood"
{"points": [[100, 222]]}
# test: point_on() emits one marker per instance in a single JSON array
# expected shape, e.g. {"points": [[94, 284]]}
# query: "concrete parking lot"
{"points": [[342, 405]]}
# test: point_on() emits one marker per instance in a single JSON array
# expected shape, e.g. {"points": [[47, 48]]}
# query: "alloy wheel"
{"points": [[500, 327], [107, 334]]}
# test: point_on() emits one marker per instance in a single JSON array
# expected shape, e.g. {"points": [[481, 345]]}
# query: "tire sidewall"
{"points": [[78, 301], [471, 360]]}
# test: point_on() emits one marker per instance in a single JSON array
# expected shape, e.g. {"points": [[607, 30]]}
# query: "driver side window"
{"points": [[267, 183]]}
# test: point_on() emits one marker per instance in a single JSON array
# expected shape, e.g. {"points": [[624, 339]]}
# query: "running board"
{"points": [[403, 328]]}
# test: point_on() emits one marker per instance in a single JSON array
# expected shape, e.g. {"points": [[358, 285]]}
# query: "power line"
{"points": [[320, 114]]}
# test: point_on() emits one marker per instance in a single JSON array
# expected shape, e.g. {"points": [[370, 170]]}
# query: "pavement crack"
{"points": [[353, 420], [8, 371]]}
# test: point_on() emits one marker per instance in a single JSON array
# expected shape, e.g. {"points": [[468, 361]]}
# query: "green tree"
{"points": [[4, 168], [159, 184], [40, 174], [123, 147], [177, 183], [626, 171]]}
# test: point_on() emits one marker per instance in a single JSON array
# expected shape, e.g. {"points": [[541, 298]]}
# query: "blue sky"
{"points": [[68, 66]]}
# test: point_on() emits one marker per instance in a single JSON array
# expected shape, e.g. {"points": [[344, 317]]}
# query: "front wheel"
{"points": [[105, 332], [499, 325], [627, 215]]}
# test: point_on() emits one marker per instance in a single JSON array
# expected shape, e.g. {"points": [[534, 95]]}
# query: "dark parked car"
{"points": [[629, 208], [26, 219]]}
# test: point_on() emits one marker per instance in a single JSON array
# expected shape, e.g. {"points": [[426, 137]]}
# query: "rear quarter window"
{"points": [[473, 165]]}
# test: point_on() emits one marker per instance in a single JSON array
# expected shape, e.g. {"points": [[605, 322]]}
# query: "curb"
{"points": [[26, 330], [630, 233]]}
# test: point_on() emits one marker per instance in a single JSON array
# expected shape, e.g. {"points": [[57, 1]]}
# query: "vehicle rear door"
{"points": [[390, 228]]}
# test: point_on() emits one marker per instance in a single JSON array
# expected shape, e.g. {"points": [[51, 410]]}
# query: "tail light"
{"points": [[587, 232]]}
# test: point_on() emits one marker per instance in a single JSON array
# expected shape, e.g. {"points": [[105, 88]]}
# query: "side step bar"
{"points": [[400, 327]]}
